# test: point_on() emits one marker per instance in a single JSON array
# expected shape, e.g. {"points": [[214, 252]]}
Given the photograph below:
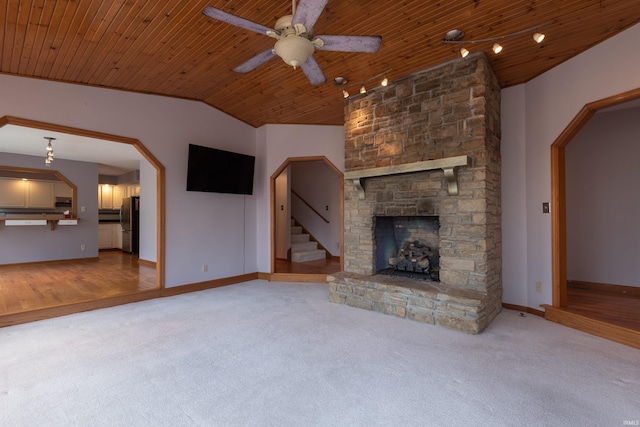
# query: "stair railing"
{"points": [[310, 207]]}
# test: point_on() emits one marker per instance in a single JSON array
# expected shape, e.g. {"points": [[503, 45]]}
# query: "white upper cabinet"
{"points": [[13, 193], [110, 196], [40, 195], [17, 193], [61, 189]]}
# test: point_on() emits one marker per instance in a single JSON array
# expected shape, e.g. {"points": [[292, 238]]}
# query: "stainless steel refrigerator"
{"points": [[130, 220]]}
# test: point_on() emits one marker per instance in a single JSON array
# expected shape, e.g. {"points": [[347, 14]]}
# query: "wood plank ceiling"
{"points": [[170, 48]]}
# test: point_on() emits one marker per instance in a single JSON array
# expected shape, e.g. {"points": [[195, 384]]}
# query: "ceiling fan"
{"points": [[295, 39]]}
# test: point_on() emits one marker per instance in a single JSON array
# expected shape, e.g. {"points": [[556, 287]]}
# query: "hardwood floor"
{"points": [[618, 305], [27, 287], [323, 266]]}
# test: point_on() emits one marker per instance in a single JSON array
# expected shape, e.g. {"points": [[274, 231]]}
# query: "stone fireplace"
{"points": [[422, 163]]}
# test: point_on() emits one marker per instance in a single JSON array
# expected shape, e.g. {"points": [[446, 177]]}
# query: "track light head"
{"points": [[538, 37], [464, 52], [497, 48]]}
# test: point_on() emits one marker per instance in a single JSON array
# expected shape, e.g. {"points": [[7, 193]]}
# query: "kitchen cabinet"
{"points": [[40, 194], [13, 193], [17, 193], [61, 189], [109, 236], [132, 190], [110, 196]]}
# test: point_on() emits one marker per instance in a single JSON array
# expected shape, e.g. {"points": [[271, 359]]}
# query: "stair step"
{"points": [[296, 229], [293, 221], [304, 246], [308, 256], [299, 238]]}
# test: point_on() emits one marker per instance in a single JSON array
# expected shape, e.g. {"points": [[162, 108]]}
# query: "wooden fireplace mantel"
{"points": [[449, 165]]}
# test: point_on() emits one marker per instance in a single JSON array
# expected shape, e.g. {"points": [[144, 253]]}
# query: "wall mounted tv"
{"points": [[218, 171]]}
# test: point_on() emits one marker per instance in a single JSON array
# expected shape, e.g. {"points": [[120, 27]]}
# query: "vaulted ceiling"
{"points": [[171, 48]]}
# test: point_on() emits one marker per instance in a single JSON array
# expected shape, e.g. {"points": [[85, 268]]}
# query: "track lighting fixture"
{"points": [[457, 37], [49, 151], [342, 81]]}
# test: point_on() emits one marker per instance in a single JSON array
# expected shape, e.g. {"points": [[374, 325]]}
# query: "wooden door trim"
{"points": [[138, 145], [273, 209], [558, 191]]}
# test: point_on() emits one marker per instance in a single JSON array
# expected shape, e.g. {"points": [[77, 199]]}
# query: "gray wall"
{"points": [[40, 243]]}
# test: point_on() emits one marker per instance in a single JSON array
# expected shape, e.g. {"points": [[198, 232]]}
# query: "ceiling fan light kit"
{"points": [[295, 40]]}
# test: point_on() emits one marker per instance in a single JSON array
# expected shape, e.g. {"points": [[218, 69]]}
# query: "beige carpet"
{"points": [[279, 354]]}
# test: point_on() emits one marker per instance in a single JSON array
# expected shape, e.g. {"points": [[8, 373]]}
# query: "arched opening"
{"points": [[283, 196], [557, 311], [159, 196]]}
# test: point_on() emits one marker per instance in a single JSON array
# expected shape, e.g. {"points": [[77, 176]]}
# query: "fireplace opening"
{"points": [[408, 246]]}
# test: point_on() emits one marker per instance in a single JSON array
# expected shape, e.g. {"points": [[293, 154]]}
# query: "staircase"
{"points": [[304, 249]]}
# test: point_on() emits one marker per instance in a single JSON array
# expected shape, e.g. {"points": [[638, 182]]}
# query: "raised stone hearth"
{"points": [[428, 302], [448, 115]]}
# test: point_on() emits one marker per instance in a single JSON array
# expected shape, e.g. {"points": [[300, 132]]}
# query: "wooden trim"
{"points": [[523, 308], [264, 276], [272, 189], [605, 287], [558, 191], [209, 284], [36, 263], [63, 310], [558, 228], [292, 277], [146, 263], [66, 309], [599, 328], [138, 145]]}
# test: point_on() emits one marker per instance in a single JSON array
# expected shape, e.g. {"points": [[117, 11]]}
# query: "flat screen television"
{"points": [[218, 171]]}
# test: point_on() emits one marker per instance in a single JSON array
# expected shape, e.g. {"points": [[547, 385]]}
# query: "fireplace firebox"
{"points": [[407, 246]]}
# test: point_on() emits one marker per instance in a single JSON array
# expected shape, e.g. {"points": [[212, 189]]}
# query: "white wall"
{"points": [[550, 102], [603, 207], [277, 143], [216, 229]]}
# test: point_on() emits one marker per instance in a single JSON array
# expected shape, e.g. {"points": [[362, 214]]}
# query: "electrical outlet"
{"points": [[82, 209], [539, 287], [205, 268], [83, 247]]}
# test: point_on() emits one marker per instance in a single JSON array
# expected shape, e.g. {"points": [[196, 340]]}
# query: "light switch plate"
{"points": [[545, 207]]}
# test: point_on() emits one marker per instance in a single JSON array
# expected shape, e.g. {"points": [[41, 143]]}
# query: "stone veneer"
{"points": [[447, 111]]}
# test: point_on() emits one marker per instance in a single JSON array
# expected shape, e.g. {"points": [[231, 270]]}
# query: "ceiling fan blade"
{"points": [[223, 16], [313, 72], [255, 62], [308, 11], [351, 43]]}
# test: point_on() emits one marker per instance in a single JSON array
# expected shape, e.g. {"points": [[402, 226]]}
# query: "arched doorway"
{"points": [[557, 311], [282, 192], [159, 219]]}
